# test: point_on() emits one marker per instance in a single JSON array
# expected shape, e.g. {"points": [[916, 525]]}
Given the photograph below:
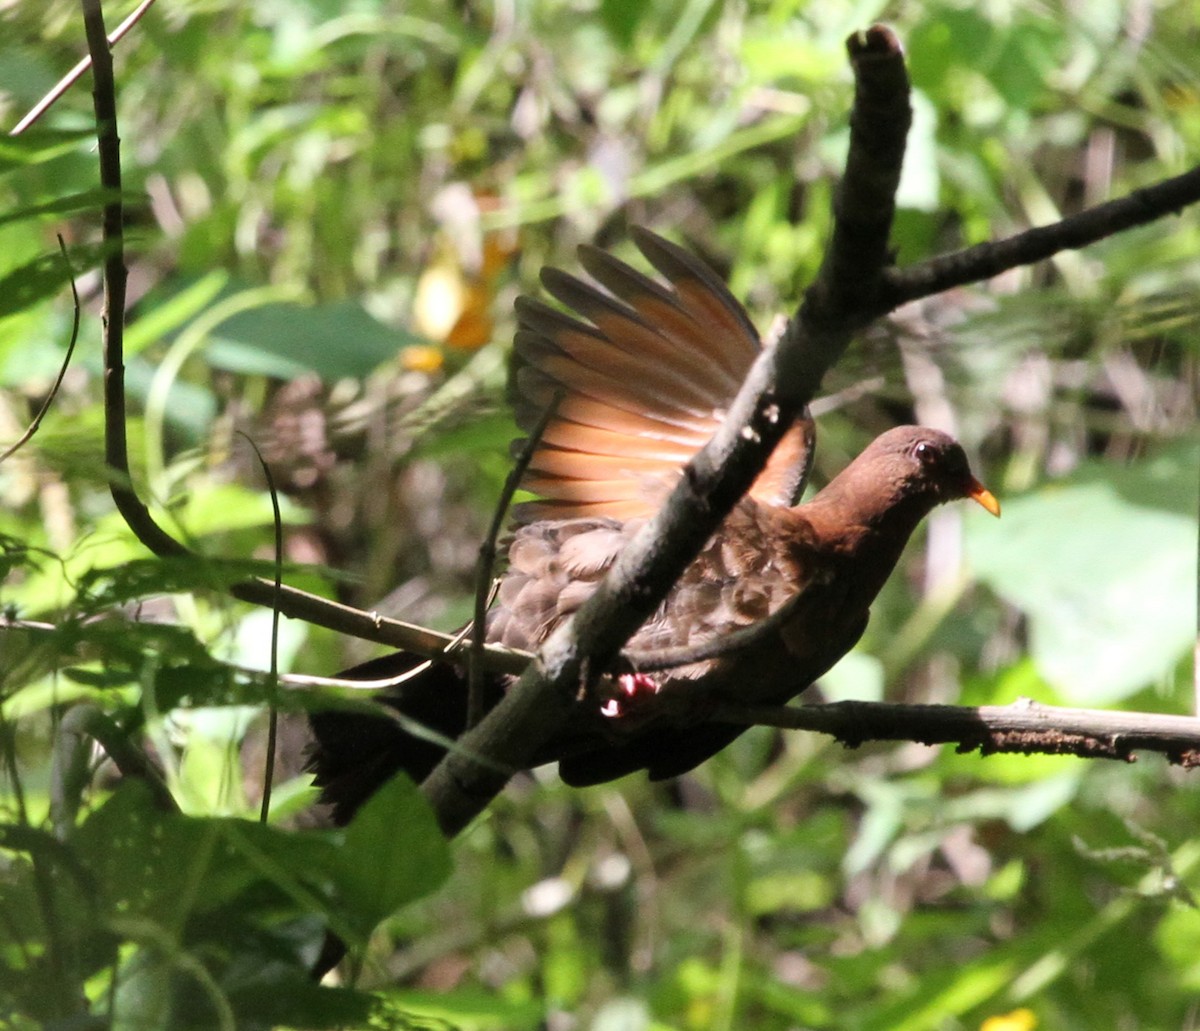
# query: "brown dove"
{"points": [[643, 372]]}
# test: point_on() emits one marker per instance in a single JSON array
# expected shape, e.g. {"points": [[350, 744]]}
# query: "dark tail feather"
{"points": [[354, 754]]}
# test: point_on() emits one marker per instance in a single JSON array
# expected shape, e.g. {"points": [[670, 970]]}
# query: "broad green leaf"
{"points": [[1178, 941], [286, 340], [167, 314], [944, 994], [468, 1009], [621, 18], [214, 508], [170, 869], [789, 892], [44, 276], [1103, 564], [393, 853]]}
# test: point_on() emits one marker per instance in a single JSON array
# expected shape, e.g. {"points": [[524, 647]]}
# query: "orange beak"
{"points": [[977, 492]]}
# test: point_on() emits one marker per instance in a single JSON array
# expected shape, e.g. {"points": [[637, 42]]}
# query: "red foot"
{"points": [[632, 688]]}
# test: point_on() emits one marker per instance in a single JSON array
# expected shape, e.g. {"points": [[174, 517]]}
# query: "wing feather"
{"points": [[643, 370]]}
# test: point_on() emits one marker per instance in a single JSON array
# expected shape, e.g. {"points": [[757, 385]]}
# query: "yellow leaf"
{"points": [[421, 359], [1017, 1020]]}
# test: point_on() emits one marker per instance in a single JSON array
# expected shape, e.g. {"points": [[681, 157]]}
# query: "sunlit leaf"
{"points": [[1099, 564]]}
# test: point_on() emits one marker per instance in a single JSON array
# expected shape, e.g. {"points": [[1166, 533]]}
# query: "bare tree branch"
{"points": [[985, 260], [116, 452], [1025, 726]]}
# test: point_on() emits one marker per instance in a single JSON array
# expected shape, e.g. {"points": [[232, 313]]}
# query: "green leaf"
{"points": [[276, 996], [788, 892], [944, 994], [462, 1008], [44, 276], [1103, 566], [88, 200], [1178, 940], [285, 340], [224, 507], [621, 19], [167, 310], [39, 145], [393, 853], [1028, 55]]}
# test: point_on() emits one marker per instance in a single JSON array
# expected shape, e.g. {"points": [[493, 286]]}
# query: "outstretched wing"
{"points": [[643, 375]]}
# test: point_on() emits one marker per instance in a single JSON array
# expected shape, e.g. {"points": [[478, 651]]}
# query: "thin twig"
{"points": [[303, 680], [69, 80], [62, 372], [115, 274], [487, 559]]}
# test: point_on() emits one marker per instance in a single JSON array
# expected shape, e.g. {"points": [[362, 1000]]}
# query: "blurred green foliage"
{"points": [[330, 209]]}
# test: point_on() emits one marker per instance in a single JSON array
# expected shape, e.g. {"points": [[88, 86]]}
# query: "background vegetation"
{"points": [[332, 206]]}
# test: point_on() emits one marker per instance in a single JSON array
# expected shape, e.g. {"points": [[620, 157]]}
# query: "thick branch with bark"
{"points": [[782, 381]]}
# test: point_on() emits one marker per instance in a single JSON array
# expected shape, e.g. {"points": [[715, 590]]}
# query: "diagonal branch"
{"points": [[985, 260], [865, 202], [69, 80]]}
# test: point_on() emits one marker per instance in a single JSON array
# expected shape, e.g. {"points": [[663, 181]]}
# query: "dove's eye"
{"points": [[931, 456]]}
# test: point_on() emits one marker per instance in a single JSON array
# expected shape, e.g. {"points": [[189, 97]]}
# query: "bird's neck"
{"points": [[857, 520]]}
